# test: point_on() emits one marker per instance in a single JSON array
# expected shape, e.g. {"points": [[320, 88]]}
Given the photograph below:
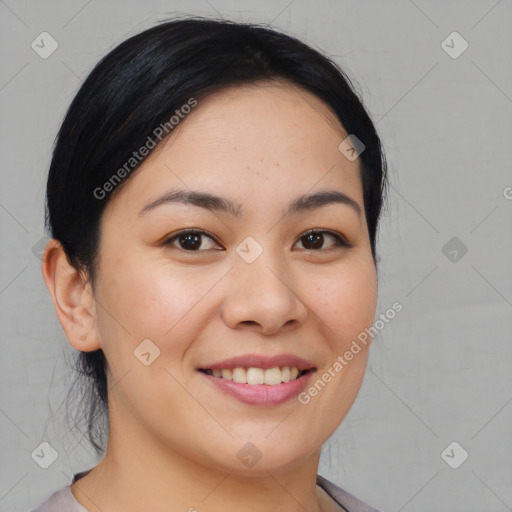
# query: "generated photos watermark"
{"points": [[159, 133], [343, 360]]}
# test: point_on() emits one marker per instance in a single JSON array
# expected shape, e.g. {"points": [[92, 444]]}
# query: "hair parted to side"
{"points": [[137, 87]]}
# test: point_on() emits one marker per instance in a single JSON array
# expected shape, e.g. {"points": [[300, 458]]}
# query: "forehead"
{"points": [[259, 143], [275, 115]]}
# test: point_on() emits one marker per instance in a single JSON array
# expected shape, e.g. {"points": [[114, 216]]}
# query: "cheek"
{"points": [[343, 302], [151, 299], [346, 301]]}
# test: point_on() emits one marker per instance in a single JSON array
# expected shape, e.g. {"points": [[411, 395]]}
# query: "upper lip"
{"points": [[260, 361]]}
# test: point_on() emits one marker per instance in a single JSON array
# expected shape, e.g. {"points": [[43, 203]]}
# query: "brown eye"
{"points": [[190, 241], [315, 239]]}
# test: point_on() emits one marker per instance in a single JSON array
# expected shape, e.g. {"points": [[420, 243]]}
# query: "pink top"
{"points": [[64, 501]]}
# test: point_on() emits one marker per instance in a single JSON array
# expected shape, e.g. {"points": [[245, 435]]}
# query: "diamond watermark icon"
{"points": [[249, 455], [454, 249], [351, 147], [454, 455], [249, 250], [39, 246], [454, 45], [45, 455], [44, 45], [146, 352]]}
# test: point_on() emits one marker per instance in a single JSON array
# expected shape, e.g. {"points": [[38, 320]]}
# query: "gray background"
{"points": [[440, 371]]}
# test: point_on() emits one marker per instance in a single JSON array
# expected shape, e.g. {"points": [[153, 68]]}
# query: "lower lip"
{"points": [[261, 394]]}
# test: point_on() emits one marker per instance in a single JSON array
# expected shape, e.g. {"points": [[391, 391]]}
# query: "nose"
{"points": [[263, 296]]}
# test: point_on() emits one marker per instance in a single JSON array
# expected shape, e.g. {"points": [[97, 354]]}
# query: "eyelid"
{"points": [[168, 239], [342, 240]]}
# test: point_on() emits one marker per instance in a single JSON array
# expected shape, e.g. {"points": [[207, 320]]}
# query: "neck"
{"points": [[136, 472]]}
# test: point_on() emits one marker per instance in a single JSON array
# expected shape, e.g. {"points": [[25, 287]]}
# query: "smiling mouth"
{"points": [[257, 376]]}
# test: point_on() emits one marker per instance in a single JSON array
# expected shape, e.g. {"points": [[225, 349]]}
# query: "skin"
{"points": [[174, 437]]}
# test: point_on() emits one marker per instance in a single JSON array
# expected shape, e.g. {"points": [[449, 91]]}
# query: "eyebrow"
{"points": [[213, 202]]}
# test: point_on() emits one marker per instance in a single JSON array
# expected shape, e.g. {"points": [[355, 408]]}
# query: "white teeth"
{"points": [[240, 375], [254, 376], [226, 374], [272, 376]]}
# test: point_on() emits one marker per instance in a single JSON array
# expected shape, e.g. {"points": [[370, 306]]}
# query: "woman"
{"points": [[213, 201]]}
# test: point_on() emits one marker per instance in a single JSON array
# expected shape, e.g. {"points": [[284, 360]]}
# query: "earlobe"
{"points": [[72, 298]]}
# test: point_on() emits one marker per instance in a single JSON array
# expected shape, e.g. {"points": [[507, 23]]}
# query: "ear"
{"points": [[72, 298]]}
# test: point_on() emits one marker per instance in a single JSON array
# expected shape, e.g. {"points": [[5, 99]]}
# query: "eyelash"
{"points": [[341, 241]]}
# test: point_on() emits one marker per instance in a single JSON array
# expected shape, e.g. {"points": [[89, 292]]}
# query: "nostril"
{"points": [[250, 323]]}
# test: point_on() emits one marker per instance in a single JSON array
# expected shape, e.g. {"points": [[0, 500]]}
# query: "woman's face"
{"points": [[255, 286]]}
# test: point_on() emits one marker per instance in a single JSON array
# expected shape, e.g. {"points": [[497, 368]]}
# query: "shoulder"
{"points": [[347, 501], [60, 501]]}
